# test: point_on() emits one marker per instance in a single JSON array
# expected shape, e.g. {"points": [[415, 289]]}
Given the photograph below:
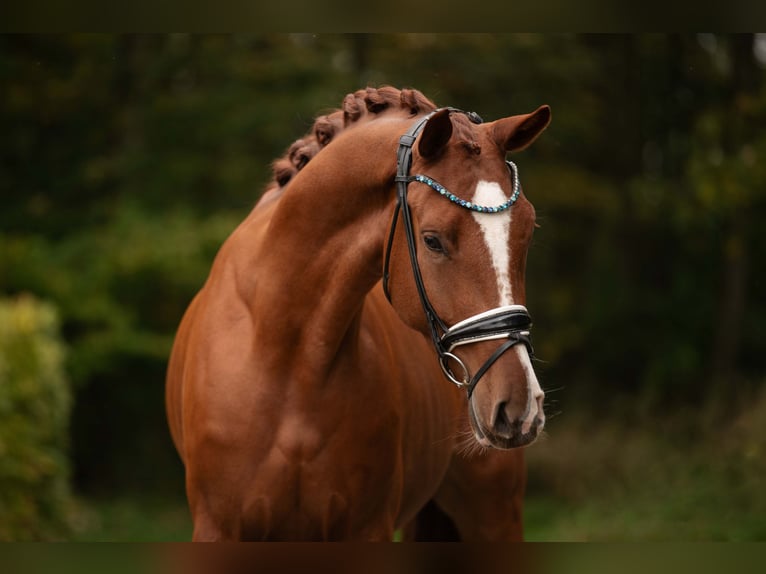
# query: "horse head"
{"points": [[455, 263]]}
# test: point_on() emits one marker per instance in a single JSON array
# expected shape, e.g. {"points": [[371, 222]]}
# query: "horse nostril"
{"points": [[501, 424]]}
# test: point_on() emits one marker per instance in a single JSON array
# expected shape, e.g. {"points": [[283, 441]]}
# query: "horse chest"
{"points": [[319, 482]]}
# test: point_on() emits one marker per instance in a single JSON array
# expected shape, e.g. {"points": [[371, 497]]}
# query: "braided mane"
{"points": [[362, 105]]}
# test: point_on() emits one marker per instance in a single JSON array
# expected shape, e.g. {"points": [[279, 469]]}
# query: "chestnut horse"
{"points": [[309, 390]]}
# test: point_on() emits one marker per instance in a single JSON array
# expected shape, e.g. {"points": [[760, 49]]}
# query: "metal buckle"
{"points": [[443, 357]]}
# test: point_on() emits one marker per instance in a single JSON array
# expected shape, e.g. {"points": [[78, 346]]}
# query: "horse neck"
{"points": [[324, 246]]}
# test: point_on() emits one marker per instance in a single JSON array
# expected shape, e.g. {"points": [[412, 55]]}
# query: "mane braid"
{"points": [[363, 105]]}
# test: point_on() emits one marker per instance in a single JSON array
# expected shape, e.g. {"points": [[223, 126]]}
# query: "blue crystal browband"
{"points": [[436, 186]]}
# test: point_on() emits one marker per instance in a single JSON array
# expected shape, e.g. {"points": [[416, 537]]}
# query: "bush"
{"points": [[35, 404], [120, 289]]}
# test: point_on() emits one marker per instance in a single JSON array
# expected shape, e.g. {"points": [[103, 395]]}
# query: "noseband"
{"points": [[510, 323]]}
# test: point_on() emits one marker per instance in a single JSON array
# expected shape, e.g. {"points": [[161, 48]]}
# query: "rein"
{"points": [[510, 322]]}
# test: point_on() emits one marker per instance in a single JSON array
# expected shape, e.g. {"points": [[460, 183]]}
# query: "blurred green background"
{"points": [[125, 161]]}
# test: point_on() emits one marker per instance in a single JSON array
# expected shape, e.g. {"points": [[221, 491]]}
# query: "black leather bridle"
{"points": [[510, 322]]}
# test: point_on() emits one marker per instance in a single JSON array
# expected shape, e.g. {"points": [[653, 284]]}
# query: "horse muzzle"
{"points": [[501, 423], [513, 437]]}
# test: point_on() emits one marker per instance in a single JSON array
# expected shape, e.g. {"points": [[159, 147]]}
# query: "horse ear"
{"points": [[517, 132], [436, 134]]}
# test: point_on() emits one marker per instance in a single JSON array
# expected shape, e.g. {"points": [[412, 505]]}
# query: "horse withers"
{"points": [[310, 388]]}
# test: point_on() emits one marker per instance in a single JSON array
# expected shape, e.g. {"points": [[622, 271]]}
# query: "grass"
{"points": [[690, 477], [132, 519]]}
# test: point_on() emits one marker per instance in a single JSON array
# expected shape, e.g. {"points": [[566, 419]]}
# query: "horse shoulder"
{"points": [[429, 413], [210, 379]]}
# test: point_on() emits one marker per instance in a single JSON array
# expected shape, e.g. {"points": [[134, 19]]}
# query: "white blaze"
{"points": [[534, 392], [496, 228]]}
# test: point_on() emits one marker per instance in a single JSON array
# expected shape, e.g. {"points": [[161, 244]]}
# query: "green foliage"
{"points": [[35, 405], [122, 288]]}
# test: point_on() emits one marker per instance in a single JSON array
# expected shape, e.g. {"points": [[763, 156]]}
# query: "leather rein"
{"points": [[510, 323]]}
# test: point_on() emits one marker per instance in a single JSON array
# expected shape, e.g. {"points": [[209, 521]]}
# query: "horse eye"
{"points": [[433, 243]]}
